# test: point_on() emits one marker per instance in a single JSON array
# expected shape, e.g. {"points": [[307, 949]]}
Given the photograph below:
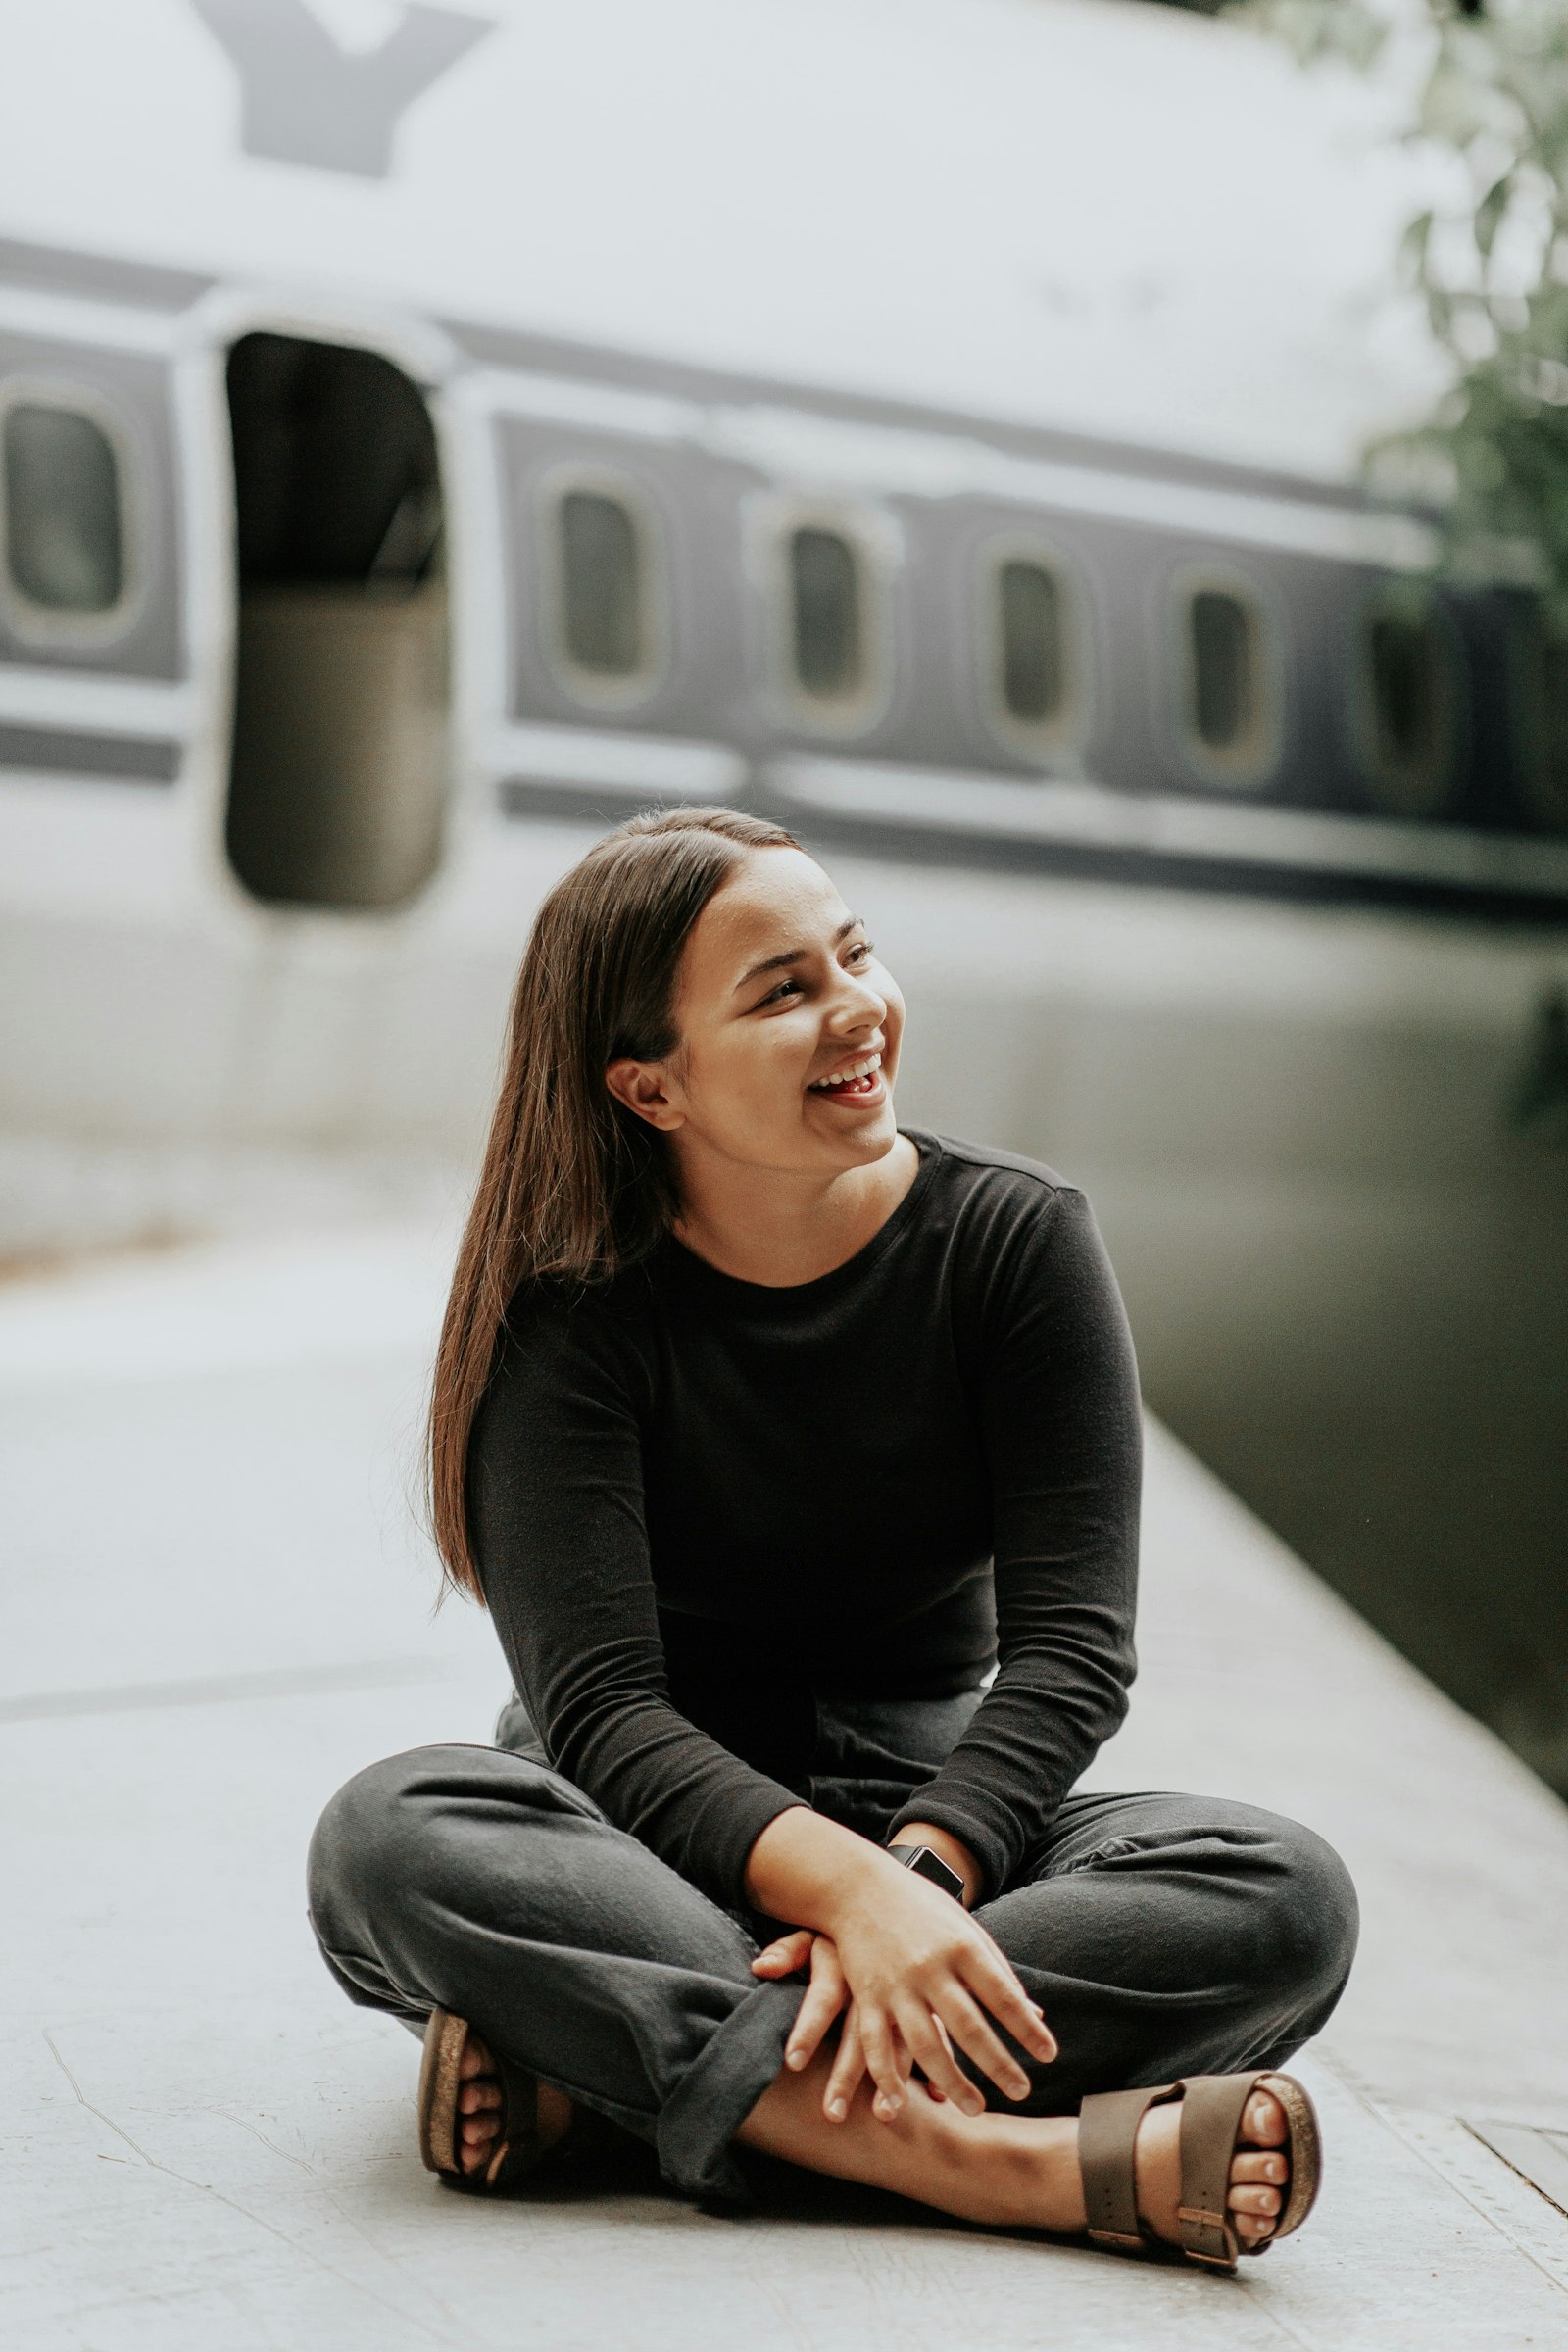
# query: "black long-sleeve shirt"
{"points": [[699, 1502]]}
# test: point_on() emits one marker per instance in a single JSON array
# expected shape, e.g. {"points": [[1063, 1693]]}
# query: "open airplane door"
{"points": [[340, 758]]}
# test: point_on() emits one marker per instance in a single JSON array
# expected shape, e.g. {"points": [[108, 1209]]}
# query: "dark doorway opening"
{"points": [[341, 755]]}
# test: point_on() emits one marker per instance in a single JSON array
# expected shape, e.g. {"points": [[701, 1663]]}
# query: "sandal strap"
{"points": [[1212, 2106], [1108, 2134], [518, 2149]]}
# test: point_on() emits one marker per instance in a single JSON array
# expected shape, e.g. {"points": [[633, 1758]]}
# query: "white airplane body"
{"points": [[936, 423]]}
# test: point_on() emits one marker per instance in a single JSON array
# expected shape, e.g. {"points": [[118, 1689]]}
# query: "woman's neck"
{"points": [[778, 1228]]}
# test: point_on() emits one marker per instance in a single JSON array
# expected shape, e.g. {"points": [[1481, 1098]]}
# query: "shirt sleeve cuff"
{"points": [[994, 1847], [747, 1813]]}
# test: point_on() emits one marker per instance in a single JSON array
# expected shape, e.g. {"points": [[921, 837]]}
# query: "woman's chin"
{"points": [[861, 1136]]}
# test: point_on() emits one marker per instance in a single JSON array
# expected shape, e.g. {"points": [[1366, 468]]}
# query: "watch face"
{"points": [[927, 1865]]}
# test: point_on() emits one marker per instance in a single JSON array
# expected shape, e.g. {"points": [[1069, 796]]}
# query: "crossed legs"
{"points": [[1161, 1935]]}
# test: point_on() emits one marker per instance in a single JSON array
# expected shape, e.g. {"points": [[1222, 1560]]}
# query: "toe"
{"points": [[478, 2144], [475, 2059], [475, 2097], [1259, 2165], [1263, 2120], [1255, 2200], [1251, 2227]]}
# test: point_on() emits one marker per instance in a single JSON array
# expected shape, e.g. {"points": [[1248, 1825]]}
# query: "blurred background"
{"points": [[1093, 467]]}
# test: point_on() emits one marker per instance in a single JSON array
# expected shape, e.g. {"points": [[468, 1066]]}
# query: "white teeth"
{"points": [[856, 1071]]}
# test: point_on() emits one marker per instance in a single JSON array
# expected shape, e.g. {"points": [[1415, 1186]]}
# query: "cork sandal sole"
{"points": [[517, 2148], [1212, 2107]]}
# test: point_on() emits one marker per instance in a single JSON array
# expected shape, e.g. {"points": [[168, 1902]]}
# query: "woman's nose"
{"points": [[860, 1004]]}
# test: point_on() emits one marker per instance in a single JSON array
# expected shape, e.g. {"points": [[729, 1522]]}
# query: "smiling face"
{"points": [[778, 992]]}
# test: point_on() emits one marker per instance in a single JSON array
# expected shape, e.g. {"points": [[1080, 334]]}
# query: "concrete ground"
{"points": [[214, 1610]]}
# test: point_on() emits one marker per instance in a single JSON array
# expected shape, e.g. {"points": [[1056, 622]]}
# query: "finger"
{"points": [[934, 2053], [996, 1989], [848, 2071], [931, 2090], [881, 2047], [824, 1998], [783, 1956], [1256, 2166], [970, 2029]]}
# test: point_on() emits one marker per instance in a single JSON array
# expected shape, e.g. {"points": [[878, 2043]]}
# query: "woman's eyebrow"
{"points": [[775, 963]]}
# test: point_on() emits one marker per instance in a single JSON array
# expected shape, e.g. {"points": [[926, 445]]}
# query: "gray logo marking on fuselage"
{"points": [[307, 100]]}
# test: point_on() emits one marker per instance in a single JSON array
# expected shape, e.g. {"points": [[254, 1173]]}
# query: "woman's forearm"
{"points": [[805, 1870], [808, 1871]]}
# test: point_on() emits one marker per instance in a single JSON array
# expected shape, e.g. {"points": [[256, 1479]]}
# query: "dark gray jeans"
{"points": [[1161, 1935]]}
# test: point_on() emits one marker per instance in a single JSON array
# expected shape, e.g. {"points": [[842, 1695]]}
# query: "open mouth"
{"points": [[856, 1082]]}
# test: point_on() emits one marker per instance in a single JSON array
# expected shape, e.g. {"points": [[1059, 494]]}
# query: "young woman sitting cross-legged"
{"points": [[795, 1457]]}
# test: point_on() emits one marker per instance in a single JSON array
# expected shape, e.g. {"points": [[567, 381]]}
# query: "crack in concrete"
{"points": [[205, 2189]]}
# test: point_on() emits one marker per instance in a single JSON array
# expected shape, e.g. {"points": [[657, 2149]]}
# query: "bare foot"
{"points": [[1010, 2171], [479, 2108], [1260, 2171]]}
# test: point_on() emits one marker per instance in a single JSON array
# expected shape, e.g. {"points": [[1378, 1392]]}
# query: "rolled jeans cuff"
{"points": [[718, 2092]]}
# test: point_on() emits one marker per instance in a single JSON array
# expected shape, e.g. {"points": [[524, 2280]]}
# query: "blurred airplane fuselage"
{"points": [[427, 435]]}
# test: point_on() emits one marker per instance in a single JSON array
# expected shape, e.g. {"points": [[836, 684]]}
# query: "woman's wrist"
{"points": [[949, 1850], [810, 1872]]}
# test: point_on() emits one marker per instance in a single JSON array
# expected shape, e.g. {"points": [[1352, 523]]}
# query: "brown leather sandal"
{"points": [[1212, 2106], [518, 2148]]}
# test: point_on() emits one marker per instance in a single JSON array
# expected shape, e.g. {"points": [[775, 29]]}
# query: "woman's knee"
{"points": [[366, 1840], [1313, 1918], [405, 1829]]}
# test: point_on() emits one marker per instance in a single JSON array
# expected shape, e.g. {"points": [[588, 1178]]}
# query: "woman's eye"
{"points": [[785, 987]]}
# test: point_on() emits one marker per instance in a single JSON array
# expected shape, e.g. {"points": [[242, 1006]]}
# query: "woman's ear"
{"points": [[641, 1085]]}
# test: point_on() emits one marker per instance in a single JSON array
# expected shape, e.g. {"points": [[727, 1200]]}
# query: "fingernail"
{"points": [[796, 2058], [837, 2110]]}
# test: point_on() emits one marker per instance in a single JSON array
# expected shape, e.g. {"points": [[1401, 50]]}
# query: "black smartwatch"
{"points": [[927, 1865]]}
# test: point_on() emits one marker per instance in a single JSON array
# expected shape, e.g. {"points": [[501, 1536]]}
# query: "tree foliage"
{"points": [[1490, 261]]}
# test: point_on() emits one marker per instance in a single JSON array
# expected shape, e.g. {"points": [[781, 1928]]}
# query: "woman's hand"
{"points": [[825, 1995], [829, 1996], [915, 1977], [925, 1979]]}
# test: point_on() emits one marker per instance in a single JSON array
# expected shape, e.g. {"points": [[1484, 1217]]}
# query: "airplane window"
{"points": [[827, 623], [604, 620], [1411, 678], [1034, 648], [1230, 688], [63, 533], [1223, 684]]}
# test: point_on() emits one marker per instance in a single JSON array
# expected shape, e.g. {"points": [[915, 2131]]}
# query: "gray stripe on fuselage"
{"points": [[98, 277], [61, 751], [152, 286], [549, 355]]}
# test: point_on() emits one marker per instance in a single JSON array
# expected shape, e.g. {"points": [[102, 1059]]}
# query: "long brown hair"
{"points": [[574, 1185]]}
